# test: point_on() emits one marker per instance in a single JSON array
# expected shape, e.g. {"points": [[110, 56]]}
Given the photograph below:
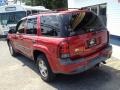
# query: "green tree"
{"points": [[60, 3], [29, 2]]}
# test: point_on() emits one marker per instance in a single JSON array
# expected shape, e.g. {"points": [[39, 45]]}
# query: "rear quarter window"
{"points": [[31, 28], [50, 26]]}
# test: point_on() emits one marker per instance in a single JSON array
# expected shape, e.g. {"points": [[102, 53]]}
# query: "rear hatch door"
{"points": [[87, 44], [86, 33]]}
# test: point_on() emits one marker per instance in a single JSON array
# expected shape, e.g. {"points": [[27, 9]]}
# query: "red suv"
{"points": [[66, 42]]}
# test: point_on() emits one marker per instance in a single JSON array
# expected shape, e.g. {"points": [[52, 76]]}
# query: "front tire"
{"points": [[11, 49], [44, 69]]}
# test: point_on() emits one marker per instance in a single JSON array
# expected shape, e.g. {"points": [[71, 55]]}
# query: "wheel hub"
{"points": [[42, 68]]}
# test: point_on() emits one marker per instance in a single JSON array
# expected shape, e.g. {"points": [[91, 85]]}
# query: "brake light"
{"points": [[64, 50]]}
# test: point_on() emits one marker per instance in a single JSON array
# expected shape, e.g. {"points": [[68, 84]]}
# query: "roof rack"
{"points": [[50, 11], [57, 10], [74, 8], [44, 12]]}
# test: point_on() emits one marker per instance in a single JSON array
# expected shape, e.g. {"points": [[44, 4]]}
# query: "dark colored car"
{"points": [[66, 42]]}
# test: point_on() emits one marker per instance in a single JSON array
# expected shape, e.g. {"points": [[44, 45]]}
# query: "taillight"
{"points": [[64, 50]]}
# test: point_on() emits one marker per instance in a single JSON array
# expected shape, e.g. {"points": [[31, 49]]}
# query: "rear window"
{"points": [[80, 23], [70, 24]]}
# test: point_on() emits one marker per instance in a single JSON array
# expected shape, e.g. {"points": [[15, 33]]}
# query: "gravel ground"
{"points": [[20, 73]]}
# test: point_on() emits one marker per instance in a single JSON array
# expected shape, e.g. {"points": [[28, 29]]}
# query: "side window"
{"points": [[31, 26], [34, 11], [21, 26], [29, 12], [50, 25]]}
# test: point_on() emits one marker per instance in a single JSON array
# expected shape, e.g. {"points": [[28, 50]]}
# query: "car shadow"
{"points": [[103, 78], [3, 39], [27, 62]]}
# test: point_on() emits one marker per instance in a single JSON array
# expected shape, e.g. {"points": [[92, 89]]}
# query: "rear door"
{"points": [[30, 36]]}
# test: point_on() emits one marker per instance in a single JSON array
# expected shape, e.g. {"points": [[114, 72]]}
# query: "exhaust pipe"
{"points": [[104, 62]]}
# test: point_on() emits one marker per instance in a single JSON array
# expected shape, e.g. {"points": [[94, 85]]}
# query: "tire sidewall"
{"points": [[11, 49], [50, 75]]}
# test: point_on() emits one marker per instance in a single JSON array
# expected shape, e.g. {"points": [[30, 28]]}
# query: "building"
{"points": [[108, 10]]}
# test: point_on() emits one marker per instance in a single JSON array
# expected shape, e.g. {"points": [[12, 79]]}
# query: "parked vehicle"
{"points": [[11, 14], [66, 42]]}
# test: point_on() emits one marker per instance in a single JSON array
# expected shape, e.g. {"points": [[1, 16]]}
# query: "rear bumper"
{"points": [[89, 65], [68, 66]]}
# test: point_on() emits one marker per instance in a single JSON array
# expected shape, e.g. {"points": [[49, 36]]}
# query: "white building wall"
{"points": [[113, 16], [113, 12]]}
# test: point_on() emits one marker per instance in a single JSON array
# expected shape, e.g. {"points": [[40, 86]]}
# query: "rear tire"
{"points": [[11, 49], [44, 69]]}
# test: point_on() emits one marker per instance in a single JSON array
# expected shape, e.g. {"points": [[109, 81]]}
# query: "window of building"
{"points": [[94, 9], [102, 13], [31, 26], [100, 10]]}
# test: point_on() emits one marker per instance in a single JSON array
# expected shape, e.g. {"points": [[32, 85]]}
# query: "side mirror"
{"points": [[11, 31]]}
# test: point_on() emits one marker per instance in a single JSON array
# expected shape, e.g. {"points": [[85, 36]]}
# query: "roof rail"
{"points": [[50, 11], [74, 8], [64, 9], [43, 12]]}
